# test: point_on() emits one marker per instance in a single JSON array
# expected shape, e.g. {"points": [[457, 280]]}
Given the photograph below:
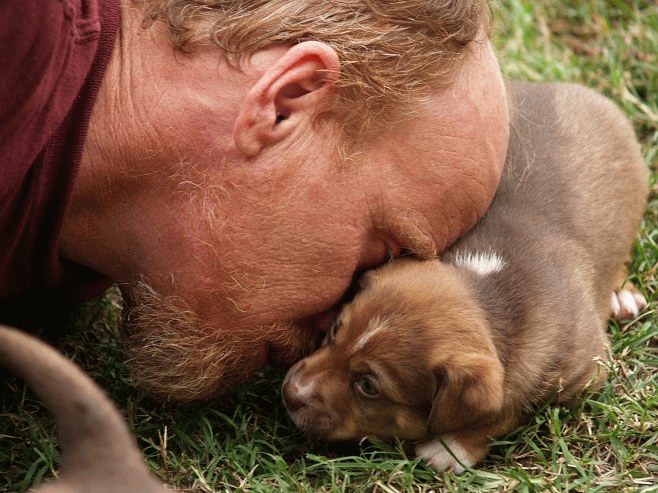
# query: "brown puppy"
{"points": [[454, 351]]}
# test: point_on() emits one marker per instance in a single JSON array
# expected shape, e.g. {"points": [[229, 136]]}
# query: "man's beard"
{"points": [[174, 355]]}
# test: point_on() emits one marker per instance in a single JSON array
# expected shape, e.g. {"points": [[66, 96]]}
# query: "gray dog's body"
{"points": [[564, 219]]}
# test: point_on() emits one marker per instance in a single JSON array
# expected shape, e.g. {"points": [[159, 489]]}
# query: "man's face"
{"points": [[260, 245], [240, 258]]}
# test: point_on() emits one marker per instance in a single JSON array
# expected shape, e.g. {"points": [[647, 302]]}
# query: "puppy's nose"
{"points": [[292, 397]]}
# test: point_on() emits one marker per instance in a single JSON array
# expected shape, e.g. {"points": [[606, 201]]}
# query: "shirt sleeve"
{"points": [[53, 56], [46, 50]]}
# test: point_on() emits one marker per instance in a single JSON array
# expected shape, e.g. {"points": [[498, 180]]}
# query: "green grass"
{"points": [[245, 441]]}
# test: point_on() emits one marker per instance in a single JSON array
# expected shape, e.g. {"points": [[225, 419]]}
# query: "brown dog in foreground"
{"points": [[452, 352], [99, 454]]}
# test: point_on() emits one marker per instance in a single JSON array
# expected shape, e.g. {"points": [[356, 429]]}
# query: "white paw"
{"points": [[626, 304], [453, 458]]}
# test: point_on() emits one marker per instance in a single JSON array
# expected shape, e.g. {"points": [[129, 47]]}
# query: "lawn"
{"points": [[245, 441]]}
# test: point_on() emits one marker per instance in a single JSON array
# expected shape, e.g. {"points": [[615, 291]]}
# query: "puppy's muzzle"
{"points": [[299, 390], [304, 401], [292, 398]]}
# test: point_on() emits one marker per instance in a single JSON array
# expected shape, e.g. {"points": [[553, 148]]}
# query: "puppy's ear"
{"points": [[366, 280], [369, 277], [468, 390]]}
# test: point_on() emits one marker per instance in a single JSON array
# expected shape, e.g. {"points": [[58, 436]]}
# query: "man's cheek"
{"points": [[275, 302], [279, 288]]}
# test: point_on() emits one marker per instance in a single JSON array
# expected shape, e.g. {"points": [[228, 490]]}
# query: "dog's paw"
{"points": [[449, 457], [627, 303]]}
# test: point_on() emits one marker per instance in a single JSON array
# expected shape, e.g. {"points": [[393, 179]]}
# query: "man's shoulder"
{"points": [[53, 54], [46, 52]]}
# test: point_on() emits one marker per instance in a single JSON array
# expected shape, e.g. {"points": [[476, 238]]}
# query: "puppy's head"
{"points": [[410, 356]]}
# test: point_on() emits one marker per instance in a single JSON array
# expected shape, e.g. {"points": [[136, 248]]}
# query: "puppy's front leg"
{"points": [[452, 452], [463, 449]]}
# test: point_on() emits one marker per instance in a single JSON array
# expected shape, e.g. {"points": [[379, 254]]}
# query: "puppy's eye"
{"points": [[367, 387], [331, 335]]}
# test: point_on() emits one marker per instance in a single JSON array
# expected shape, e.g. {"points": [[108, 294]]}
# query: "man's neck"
{"points": [[107, 170], [153, 109]]}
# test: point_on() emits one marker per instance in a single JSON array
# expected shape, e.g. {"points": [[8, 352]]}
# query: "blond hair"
{"points": [[392, 52]]}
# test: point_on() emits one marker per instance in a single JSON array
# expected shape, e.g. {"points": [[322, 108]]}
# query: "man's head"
{"points": [[246, 186], [389, 54]]}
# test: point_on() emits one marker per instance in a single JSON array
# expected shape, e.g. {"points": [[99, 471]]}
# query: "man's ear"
{"points": [[295, 89], [468, 391]]}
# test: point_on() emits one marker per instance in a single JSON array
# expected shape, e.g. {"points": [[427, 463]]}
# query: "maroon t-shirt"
{"points": [[53, 54]]}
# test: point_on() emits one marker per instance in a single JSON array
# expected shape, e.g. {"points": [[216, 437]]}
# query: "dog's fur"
{"points": [[459, 350], [99, 454]]}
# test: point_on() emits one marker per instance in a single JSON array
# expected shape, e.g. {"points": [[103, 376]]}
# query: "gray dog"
{"points": [[99, 454]]}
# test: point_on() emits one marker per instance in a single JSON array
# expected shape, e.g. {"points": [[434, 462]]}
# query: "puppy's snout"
{"points": [[307, 394], [292, 398], [299, 389]]}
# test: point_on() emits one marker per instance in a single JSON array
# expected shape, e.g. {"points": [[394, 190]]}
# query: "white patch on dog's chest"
{"points": [[481, 263]]}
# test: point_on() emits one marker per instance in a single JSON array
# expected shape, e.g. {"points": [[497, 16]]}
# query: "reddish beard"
{"points": [[174, 355]]}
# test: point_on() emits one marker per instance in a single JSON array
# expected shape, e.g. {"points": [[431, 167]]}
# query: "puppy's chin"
{"points": [[320, 426], [324, 426]]}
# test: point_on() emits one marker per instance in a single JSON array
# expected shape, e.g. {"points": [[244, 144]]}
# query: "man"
{"points": [[243, 161]]}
